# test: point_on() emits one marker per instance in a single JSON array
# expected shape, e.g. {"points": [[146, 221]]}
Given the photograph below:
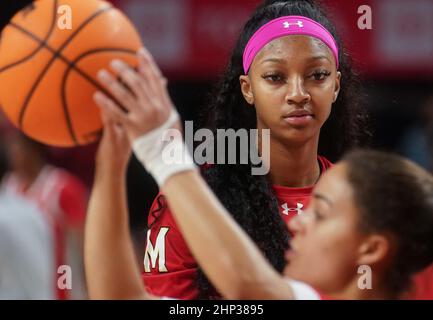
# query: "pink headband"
{"points": [[285, 26]]}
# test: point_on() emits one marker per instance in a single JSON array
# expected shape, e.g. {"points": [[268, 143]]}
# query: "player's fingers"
{"points": [[106, 119], [111, 111], [131, 78], [108, 130], [151, 72], [145, 55], [116, 89]]}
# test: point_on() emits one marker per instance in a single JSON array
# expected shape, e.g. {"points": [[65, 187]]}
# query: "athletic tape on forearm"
{"points": [[163, 152]]}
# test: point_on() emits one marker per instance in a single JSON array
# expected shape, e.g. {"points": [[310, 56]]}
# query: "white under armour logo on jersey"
{"points": [[287, 209], [287, 24]]}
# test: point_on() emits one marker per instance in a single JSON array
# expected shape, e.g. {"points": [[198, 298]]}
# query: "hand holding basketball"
{"points": [[48, 74], [114, 148], [147, 103]]}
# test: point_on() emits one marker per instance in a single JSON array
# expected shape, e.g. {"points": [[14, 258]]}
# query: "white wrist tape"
{"points": [[163, 152]]}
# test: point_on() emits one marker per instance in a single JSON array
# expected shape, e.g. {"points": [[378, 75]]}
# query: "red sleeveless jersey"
{"points": [[169, 267]]}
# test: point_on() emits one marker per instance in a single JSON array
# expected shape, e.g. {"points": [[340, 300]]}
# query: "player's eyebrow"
{"points": [[276, 60], [308, 60], [323, 198], [318, 57]]}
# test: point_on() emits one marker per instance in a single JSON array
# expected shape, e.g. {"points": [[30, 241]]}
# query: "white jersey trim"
{"points": [[303, 291]]}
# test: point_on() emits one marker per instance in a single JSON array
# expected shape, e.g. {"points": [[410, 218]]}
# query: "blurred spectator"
{"points": [[60, 196], [417, 141], [26, 247]]}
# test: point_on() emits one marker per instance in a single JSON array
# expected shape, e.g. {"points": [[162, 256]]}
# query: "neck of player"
{"points": [[294, 166]]}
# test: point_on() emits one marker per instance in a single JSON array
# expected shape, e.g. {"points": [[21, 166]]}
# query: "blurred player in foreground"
{"points": [[358, 216]]}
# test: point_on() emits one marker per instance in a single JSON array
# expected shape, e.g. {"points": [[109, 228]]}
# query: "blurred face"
{"points": [[292, 83], [326, 243]]}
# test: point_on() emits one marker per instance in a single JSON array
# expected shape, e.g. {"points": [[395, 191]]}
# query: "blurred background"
{"points": [[192, 40]]}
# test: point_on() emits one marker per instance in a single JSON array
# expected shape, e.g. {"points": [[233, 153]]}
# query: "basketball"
{"points": [[50, 54]]}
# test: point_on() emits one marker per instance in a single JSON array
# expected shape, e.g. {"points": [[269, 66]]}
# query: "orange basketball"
{"points": [[50, 54]]}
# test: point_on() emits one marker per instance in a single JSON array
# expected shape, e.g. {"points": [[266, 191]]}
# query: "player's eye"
{"points": [[273, 77], [320, 75]]}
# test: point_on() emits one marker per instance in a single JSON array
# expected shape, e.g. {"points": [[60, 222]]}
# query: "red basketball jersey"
{"points": [[169, 267]]}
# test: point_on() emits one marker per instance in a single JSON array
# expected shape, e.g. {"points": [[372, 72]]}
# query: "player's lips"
{"points": [[298, 117]]}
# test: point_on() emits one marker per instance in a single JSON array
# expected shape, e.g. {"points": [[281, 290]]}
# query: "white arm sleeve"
{"points": [[302, 291]]}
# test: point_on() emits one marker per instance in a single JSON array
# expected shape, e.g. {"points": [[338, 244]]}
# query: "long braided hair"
{"points": [[250, 198]]}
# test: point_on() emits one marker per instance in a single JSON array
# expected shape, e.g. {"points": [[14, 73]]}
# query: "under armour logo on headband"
{"points": [[288, 24]]}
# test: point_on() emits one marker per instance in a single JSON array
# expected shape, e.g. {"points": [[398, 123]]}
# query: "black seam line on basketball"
{"points": [[41, 43], [55, 55], [44, 43], [72, 66], [45, 70]]}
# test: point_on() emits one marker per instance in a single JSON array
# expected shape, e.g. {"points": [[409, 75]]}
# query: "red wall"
{"points": [[193, 38]]}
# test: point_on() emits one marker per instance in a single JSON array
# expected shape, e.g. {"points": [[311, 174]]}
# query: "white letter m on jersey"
{"points": [[156, 252]]}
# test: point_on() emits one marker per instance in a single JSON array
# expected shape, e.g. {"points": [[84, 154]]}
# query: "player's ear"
{"points": [[375, 249], [246, 89]]}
